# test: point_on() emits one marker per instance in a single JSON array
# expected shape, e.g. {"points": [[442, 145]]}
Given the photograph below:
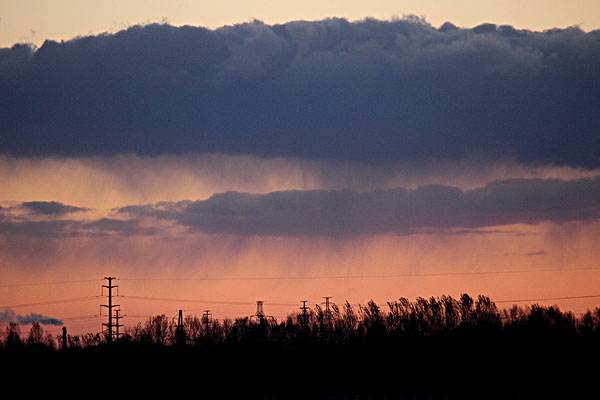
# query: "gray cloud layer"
{"points": [[517, 201], [373, 91], [46, 209], [431, 208], [50, 208], [57, 221], [72, 228], [9, 315]]}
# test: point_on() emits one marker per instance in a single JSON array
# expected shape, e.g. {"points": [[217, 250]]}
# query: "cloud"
{"points": [[73, 228], [537, 253], [340, 213], [82, 181], [402, 211], [370, 91], [49, 208], [38, 209], [9, 315], [24, 219]]}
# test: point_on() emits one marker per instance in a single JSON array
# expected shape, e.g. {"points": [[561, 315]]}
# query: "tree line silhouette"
{"points": [[437, 347], [442, 316]]}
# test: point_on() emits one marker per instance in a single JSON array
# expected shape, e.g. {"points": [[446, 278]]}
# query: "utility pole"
{"points": [[304, 313], [327, 312], [206, 320], [109, 325], [117, 325], [179, 331], [260, 314], [64, 338], [180, 319]]}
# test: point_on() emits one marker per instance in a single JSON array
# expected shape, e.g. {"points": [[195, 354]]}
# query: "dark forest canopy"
{"points": [[373, 91]]}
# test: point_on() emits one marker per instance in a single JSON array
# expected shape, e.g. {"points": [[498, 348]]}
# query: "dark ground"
{"points": [[419, 368]]}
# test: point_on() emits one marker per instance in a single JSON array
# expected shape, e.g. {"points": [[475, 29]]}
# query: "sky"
{"points": [[312, 153], [37, 20]]}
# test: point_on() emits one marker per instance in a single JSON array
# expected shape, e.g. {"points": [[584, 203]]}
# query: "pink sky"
{"points": [[177, 253]]}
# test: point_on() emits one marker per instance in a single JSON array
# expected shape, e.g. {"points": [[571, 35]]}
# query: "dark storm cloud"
{"points": [[403, 211], [373, 91], [9, 315]]}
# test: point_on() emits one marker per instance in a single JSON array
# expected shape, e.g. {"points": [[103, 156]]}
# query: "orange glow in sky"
{"points": [[179, 255], [380, 159]]}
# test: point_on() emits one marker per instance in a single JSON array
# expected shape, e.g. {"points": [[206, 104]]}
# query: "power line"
{"points": [[525, 300], [586, 296], [141, 316], [109, 324], [88, 298], [310, 277], [368, 276], [50, 302], [81, 317], [186, 300], [241, 303], [47, 283], [84, 322]]}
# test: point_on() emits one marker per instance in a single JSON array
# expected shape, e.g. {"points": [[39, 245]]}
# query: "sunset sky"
{"points": [[310, 152], [37, 20]]}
